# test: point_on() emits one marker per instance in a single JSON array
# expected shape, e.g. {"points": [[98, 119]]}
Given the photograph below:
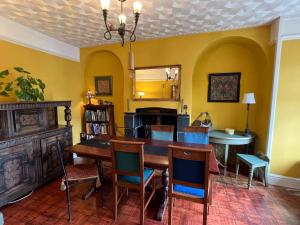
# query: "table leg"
{"points": [[101, 177], [226, 159], [164, 200]]}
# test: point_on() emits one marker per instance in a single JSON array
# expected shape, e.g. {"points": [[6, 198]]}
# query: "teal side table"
{"points": [[254, 162], [221, 137]]}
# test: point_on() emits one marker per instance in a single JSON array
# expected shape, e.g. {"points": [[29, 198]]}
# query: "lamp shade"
{"points": [[249, 98], [141, 93]]}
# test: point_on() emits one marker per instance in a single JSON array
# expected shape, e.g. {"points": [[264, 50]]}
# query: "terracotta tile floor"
{"points": [[233, 204]]}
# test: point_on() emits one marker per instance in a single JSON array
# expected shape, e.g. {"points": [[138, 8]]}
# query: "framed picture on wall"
{"points": [[103, 85], [224, 87]]}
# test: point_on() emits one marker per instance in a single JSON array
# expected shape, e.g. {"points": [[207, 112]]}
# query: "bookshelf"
{"points": [[99, 119]]}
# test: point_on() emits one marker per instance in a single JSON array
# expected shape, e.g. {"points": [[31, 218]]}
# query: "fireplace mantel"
{"points": [[137, 123]]}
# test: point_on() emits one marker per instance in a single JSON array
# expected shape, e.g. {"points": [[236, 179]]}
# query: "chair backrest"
{"points": [[127, 158], [198, 135], [189, 166], [162, 132], [59, 150]]}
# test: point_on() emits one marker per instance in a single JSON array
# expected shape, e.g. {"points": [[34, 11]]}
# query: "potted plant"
{"points": [[5, 88], [27, 88]]}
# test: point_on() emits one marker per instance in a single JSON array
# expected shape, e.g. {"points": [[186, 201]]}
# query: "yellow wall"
{"points": [[105, 63], [234, 55], [63, 78], [186, 50], [285, 158]]}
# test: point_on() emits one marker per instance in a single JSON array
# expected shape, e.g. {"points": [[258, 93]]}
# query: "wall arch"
{"points": [[235, 54], [106, 63]]}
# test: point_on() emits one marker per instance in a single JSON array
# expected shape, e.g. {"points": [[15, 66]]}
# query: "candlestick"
{"points": [[128, 105]]}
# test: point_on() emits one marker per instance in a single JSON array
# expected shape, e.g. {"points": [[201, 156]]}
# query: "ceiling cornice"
{"points": [[25, 36]]}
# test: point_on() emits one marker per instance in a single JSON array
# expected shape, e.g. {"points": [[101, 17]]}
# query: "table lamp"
{"points": [[248, 99], [141, 94], [89, 96]]}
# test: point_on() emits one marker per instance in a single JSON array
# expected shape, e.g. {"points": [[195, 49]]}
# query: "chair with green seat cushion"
{"points": [[162, 132], [254, 162], [1, 219], [129, 173], [189, 177]]}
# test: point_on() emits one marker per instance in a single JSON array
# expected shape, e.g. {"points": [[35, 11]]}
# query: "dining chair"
{"points": [[162, 132], [189, 177], [129, 173], [198, 135], [74, 174]]}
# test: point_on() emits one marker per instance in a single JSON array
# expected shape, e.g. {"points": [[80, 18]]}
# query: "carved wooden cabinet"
{"points": [[28, 158]]}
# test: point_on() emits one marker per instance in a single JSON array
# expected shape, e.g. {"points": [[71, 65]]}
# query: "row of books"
{"points": [[96, 116], [96, 128]]}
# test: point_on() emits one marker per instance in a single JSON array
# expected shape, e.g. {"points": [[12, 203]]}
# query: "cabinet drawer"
{"points": [[29, 121], [18, 176]]}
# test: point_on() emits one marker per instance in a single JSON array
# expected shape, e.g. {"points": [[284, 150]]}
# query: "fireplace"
{"points": [[138, 124]]}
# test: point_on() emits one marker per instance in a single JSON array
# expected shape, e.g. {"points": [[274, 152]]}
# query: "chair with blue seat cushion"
{"points": [[198, 135], [129, 173], [189, 176], [162, 132], [1, 219], [254, 162]]}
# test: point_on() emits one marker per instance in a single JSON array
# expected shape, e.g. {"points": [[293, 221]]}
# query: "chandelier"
{"points": [[137, 7]]}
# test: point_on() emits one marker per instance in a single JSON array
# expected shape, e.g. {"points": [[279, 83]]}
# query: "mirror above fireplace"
{"points": [[159, 83]]}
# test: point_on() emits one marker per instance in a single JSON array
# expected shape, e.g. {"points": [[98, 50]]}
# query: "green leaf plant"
{"points": [[27, 88], [5, 88]]}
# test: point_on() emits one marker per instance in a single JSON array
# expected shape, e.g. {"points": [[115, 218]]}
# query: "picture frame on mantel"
{"points": [[224, 87], [103, 86]]}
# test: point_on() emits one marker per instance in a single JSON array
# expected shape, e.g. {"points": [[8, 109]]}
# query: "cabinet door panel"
{"points": [[18, 176], [51, 167]]}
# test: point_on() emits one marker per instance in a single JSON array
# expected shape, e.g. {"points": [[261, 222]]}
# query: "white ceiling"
{"points": [[80, 22]]}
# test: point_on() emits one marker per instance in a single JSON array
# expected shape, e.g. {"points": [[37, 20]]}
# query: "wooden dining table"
{"points": [[155, 156]]}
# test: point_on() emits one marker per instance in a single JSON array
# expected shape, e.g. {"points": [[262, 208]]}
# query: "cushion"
{"points": [[198, 192], [136, 179], [162, 135], [189, 170], [196, 137], [1, 219], [127, 161]]}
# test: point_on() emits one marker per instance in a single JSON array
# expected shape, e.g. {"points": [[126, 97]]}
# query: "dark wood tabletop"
{"points": [[152, 159]]}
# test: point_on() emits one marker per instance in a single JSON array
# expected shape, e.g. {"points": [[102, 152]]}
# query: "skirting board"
{"points": [[283, 181]]}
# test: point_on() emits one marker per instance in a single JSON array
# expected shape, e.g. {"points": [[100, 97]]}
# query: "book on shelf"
{"points": [[96, 116], [96, 128]]}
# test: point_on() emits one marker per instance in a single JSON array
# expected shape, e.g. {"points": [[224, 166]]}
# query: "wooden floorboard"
{"points": [[233, 204]]}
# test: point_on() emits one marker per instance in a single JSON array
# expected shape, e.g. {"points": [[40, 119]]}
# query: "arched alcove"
{"points": [[234, 54], [105, 63]]}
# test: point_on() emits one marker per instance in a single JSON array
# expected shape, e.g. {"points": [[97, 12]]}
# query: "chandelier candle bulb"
{"points": [[105, 4], [122, 19], [137, 7]]}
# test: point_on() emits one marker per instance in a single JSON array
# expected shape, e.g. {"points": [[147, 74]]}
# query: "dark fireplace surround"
{"points": [[138, 124]]}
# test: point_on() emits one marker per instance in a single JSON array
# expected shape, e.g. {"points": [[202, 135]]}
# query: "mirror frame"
{"points": [[135, 98]]}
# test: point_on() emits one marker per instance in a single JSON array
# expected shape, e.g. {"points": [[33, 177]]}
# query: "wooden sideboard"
{"points": [[28, 158]]}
